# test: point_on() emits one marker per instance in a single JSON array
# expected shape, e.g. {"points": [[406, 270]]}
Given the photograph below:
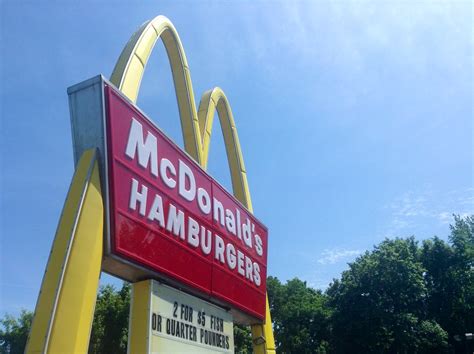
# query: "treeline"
{"points": [[402, 297]]}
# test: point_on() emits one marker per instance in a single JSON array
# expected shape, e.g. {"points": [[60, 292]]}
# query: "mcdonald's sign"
{"points": [[141, 208], [165, 216]]}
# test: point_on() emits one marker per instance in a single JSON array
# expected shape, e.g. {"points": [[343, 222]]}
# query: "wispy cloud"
{"points": [[301, 30], [414, 208], [355, 27], [411, 204], [446, 217], [332, 256]]}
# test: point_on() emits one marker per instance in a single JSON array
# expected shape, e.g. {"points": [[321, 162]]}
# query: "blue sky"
{"points": [[355, 119]]}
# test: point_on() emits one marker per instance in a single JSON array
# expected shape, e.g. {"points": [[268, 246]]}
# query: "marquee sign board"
{"points": [[181, 323], [166, 218]]}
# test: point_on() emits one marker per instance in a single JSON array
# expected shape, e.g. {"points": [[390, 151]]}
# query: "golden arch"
{"points": [[196, 125]]}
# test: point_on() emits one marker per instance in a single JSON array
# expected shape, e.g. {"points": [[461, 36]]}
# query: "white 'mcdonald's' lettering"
{"points": [[146, 150]]}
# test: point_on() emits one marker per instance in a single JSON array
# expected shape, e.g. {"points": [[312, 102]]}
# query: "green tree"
{"points": [[450, 279], [110, 326], [14, 333], [300, 317], [379, 305], [242, 339], [398, 298]]}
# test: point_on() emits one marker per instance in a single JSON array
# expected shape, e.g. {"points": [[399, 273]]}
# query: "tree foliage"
{"points": [[406, 298], [242, 339], [14, 332], [450, 280], [379, 303], [110, 326], [401, 297], [300, 316]]}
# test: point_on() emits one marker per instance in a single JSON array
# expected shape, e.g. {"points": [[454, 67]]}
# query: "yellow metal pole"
{"points": [[196, 125], [138, 330], [262, 336], [65, 306]]}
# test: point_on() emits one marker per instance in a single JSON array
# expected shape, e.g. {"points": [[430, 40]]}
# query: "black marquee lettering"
{"points": [[158, 324], [175, 309]]}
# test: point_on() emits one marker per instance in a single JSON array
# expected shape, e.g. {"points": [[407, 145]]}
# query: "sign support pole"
{"points": [[262, 335], [196, 125], [65, 306], [138, 327]]}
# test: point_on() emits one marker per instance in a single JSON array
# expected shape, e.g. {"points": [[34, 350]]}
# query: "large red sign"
{"points": [[169, 216]]}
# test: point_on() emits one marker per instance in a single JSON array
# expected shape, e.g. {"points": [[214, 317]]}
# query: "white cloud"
{"points": [[410, 204], [332, 256], [467, 199], [445, 217], [413, 209]]}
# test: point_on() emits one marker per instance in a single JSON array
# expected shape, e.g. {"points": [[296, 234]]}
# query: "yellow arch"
{"points": [[211, 101], [196, 125]]}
